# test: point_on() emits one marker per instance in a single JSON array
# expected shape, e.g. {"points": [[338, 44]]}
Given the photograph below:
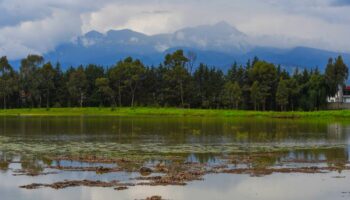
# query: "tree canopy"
{"points": [[177, 82]]}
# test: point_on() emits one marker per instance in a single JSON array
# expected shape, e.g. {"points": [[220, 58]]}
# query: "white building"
{"points": [[342, 96]]}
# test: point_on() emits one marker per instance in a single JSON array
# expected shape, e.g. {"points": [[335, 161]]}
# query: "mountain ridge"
{"points": [[218, 45]]}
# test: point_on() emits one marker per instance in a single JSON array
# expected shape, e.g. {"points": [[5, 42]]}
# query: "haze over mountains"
{"points": [[217, 45]]}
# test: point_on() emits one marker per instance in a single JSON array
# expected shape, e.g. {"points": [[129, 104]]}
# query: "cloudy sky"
{"points": [[37, 26]]}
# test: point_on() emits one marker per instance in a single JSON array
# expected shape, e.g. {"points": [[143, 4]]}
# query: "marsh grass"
{"points": [[146, 111]]}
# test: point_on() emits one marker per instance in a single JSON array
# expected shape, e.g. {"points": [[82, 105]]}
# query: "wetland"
{"points": [[164, 157]]}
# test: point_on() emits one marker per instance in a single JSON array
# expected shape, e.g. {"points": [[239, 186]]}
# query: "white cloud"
{"points": [[38, 36], [145, 18], [298, 30]]}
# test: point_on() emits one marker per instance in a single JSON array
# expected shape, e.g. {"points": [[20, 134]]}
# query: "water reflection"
{"points": [[172, 130], [4, 165], [223, 187], [199, 139]]}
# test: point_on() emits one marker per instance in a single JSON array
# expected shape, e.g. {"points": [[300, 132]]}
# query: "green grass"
{"points": [[144, 111]]}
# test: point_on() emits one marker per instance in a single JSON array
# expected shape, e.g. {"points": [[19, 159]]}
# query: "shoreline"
{"points": [[175, 112]]}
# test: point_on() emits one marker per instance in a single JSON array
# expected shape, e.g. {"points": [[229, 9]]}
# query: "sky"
{"points": [[38, 26]]}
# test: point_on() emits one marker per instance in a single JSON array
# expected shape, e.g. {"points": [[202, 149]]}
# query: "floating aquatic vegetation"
{"points": [[180, 173], [76, 183], [15, 145], [154, 198]]}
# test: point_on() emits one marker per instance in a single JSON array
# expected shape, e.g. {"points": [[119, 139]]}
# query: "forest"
{"points": [[177, 82]]}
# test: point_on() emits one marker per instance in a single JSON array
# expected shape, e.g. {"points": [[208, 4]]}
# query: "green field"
{"points": [[169, 112]]}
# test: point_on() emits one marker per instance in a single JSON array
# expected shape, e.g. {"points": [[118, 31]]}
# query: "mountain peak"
{"points": [[112, 31], [124, 34], [123, 31], [226, 27], [216, 44], [93, 34], [220, 28], [223, 24]]}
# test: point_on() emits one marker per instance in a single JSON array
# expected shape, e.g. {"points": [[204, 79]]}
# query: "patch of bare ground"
{"points": [[76, 183], [154, 198], [98, 170], [121, 188], [180, 172], [23, 172], [92, 159], [176, 179], [304, 161], [267, 171]]}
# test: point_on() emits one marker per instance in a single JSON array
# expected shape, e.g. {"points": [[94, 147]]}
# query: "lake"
{"points": [[174, 157]]}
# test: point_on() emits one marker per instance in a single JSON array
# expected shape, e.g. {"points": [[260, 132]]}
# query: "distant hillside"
{"points": [[217, 45]]}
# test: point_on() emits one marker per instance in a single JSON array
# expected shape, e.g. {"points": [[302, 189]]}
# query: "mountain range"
{"points": [[217, 45]]}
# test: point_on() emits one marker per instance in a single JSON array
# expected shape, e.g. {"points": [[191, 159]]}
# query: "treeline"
{"points": [[258, 85]]}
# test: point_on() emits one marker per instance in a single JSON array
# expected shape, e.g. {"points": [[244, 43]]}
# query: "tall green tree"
{"points": [[134, 73], [255, 95], [317, 91], [128, 74], [116, 76], [266, 75], [282, 94], [232, 94], [92, 73], [177, 75], [105, 90], [150, 87], [208, 84], [336, 75], [30, 79], [8, 80], [60, 94], [294, 91], [77, 85], [47, 73], [176, 59]]}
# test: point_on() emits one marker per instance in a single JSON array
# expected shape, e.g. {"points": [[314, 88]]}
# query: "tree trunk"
{"points": [[264, 105], [4, 102], [48, 99], [255, 106], [181, 91], [40, 101], [113, 102], [120, 96], [133, 91], [154, 99], [32, 101], [81, 99], [101, 100], [132, 98]]}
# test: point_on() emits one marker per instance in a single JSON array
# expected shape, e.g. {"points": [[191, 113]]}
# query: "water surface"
{"points": [[34, 143]]}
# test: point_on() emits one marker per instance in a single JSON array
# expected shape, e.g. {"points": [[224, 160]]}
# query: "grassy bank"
{"points": [[169, 112]]}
